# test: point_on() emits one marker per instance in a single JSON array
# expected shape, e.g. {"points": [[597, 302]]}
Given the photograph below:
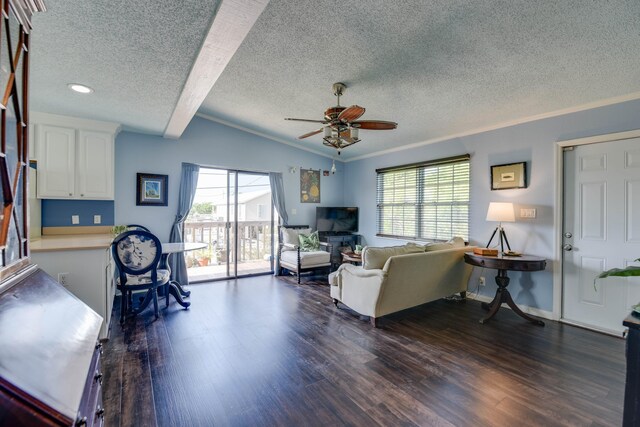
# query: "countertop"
{"points": [[71, 242]]}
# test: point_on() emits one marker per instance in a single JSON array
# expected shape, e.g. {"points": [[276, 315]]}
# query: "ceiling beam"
{"points": [[232, 23]]}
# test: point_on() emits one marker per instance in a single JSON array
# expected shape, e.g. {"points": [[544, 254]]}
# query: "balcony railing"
{"points": [[254, 241]]}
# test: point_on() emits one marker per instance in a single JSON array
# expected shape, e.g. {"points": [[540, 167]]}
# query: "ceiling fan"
{"points": [[342, 124]]}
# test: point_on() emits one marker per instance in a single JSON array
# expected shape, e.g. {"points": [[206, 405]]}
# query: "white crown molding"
{"points": [[583, 107], [230, 26], [264, 135], [39, 118]]}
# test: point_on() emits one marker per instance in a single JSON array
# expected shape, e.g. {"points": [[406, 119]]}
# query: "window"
{"points": [[428, 200], [261, 211]]}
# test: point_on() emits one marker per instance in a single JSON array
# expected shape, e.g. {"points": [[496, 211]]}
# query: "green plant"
{"points": [[629, 271], [117, 229]]}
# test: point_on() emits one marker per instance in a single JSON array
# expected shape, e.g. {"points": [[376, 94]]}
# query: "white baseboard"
{"points": [[528, 310]]}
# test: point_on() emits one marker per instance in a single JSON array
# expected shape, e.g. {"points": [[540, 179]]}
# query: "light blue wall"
{"points": [[57, 213], [212, 144], [533, 143]]}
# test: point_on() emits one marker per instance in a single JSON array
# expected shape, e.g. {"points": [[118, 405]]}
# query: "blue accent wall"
{"points": [[212, 144], [57, 213], [534, 143]]}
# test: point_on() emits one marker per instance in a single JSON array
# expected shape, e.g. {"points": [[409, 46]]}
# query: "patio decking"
{"points": [[210, 272]]}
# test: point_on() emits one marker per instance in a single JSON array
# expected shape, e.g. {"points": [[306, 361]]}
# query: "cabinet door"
{"points": [[56, 149], [95, 165]]}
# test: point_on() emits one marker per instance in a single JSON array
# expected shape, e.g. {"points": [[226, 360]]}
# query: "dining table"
{"points": [[173, 287]]}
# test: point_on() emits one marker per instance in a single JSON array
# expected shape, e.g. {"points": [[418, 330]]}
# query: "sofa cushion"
{"points": [[290, 236], [375, 258], [309, 242], [307, 259], [455, 242]]}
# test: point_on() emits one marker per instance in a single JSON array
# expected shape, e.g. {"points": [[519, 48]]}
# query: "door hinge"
{"points": [[568, 148]]}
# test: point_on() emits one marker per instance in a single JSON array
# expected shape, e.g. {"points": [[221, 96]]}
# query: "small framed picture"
{"points": [[151, 189], [512, 175]]}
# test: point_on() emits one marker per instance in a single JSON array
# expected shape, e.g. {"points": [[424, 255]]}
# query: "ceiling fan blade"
{"points": [[324, 122], [374, 125], [306, 135], [352, 113]]}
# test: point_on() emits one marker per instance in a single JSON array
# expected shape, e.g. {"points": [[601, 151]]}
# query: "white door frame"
{"points": [[558, 220]]}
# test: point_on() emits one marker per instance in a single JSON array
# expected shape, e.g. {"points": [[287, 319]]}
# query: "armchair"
{"points": [[293, 259]]}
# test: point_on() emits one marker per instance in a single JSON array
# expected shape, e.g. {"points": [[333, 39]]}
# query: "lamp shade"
{"points": [[501, 212]]}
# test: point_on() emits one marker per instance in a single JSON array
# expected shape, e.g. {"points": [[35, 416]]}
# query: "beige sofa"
{"points": [[396, 278]]}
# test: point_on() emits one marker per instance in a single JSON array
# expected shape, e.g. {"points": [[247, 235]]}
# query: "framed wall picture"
{"points": [[151, 189], [309, 186], [512, 175]]}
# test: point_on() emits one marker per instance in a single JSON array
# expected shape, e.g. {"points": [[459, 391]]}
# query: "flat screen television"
{"points": [[336, 220]]}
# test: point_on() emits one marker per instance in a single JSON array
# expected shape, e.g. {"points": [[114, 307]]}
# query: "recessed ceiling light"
{"points": [[79, 88]]}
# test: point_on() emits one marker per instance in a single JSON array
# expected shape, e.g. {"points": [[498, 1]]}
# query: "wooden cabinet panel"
{"points": [[47, 353]]}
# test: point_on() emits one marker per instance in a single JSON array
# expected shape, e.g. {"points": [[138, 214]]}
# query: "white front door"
{"points": [[601, 231]]}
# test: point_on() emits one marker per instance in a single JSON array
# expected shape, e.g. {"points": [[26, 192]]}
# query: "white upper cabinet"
{"points": [[56, 162], [95, 165], [75, 157]]}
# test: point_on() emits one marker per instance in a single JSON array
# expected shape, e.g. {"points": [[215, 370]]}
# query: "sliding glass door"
{"points": [[233, 213]]}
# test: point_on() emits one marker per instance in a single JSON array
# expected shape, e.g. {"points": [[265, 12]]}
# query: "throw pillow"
{"points": [[290, 236], [309, 242]]}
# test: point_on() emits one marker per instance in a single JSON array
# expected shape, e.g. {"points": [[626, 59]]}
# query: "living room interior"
{"points": [[538, 105]]}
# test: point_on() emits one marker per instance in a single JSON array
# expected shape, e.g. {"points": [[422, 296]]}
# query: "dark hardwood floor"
{"points": [[264, 351]]}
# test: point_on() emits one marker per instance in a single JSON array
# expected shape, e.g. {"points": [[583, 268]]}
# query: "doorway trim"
{"points": [[558, 219]]}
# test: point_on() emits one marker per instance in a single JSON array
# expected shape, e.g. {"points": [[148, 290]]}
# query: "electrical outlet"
{"points": [[63, 278], [97, 219], [481, 281], [75, 219], [294, 211]]}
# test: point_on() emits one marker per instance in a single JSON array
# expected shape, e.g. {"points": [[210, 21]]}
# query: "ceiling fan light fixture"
{"points": [[342, 127]]}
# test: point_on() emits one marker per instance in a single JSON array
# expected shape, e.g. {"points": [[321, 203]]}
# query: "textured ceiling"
{"points": [[437, 68], [136, 55]]}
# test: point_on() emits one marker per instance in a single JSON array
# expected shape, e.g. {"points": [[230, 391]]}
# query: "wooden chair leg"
{"points": [[155, 302], [463, 296], [123, 305], [166, 294]]}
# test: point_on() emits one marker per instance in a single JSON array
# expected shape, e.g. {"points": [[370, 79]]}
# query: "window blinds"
{"points": [[428, 200]]}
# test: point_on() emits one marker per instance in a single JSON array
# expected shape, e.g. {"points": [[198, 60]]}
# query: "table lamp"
{"points": [[500, 212]]}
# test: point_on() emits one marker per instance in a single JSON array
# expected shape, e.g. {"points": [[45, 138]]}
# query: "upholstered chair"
{"points": [[136, 254], [295, 259]]}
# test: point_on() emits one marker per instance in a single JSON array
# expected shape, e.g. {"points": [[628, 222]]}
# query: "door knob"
{"points": [[568, 235], [567, 247]]}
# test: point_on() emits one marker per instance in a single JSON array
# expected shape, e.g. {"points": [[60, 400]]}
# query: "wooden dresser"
{"points": [[50, 371]]}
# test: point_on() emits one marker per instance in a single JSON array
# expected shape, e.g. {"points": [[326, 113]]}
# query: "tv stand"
{"points": [[339, 240]]}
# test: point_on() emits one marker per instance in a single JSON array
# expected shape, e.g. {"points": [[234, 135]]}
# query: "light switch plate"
{"points": [[294, 211], [527, 213], [75, 219], [97, 219]]}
